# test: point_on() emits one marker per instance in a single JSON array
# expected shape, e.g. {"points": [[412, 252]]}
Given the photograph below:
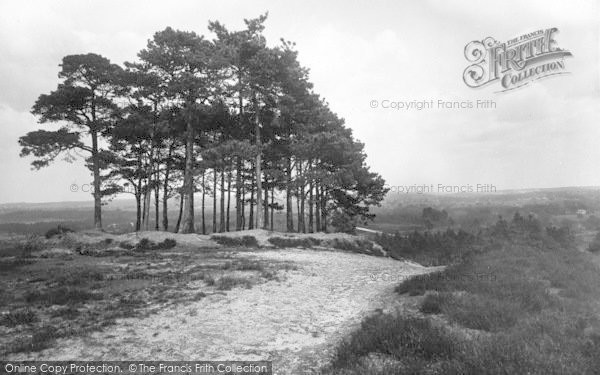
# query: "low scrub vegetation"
{"points": [[12, 264], [60, 296], [243, 265], [126, 245], [41, 338], [145, 244], [428, 248], [305, 242], [355, 245], [409, 345], [58, 231], [15, 318], [30, 245], [230, 282], [236, 241], [434, 303], [594, 247], [519, 300]]}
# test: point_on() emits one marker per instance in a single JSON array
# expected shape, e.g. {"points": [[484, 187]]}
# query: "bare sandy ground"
{"points": [[296, 322]]}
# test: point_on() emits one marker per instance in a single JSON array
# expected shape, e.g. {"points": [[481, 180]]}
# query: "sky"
{"points": [[360, 54]]}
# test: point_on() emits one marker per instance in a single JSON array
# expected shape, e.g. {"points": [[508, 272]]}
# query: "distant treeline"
{"points": [[446, 247], [456, 212]]}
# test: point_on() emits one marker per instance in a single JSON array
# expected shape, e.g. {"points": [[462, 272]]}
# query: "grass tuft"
{"points": [[18, 317], [230, 282], [61, 296]]}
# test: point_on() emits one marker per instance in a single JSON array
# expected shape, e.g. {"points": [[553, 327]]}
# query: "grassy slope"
{"points": [[523, 305]]}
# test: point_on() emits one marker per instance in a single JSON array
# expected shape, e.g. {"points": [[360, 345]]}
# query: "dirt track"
{"points": [[295, 322]]}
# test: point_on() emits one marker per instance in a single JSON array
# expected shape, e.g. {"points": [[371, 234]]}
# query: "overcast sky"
{"points": [[546, 134]]}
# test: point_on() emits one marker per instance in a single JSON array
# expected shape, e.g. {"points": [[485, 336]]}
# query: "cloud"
{"points": [[543, 135]]}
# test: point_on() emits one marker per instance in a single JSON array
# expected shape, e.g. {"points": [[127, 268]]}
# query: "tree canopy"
{"points": [[211, 116]]}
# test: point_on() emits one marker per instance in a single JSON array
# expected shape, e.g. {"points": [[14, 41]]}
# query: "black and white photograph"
{"points": [[300, 187]]}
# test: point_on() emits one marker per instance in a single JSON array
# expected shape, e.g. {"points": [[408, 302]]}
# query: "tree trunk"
{"points": [[288, 197], [272, 205], [258, 178], [239, 204], [243, 203], [188, 182], [147, 199], [138, 211], [266, 205], [145, 206], [203, 201], [138, 197], [178, 224], [157, 199], [165, 213], [298, 208], [251, 215], [317, 208], [302, 204], [214, 226], [300, 199], [324, 209], [96, 173], [310, 207], [239, 188], [222, 218], [228, 199]]}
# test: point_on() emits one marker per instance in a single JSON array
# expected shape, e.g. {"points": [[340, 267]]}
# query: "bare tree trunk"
{"points": [[298, 208], [259, 212], [317, 208], [156, 198], [138, 210], [302, 204], [222, 217], [288, 197], [251, 215], [243, 203], [266, 205], [239, 203], [214, 228], [272, 205], [188, 182], [229, 177], [203, 201], [310, 207], [178, 224], [97, 183], [138, 198], [145, 206], [324, 209], [239, 188], [147, 200], [300, 199], [165, 218]]}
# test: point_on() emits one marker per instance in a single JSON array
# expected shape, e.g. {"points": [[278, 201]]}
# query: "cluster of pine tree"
{"points": [[227, 118]]}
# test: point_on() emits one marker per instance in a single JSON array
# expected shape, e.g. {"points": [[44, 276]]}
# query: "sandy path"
{"points": [[296, 323]]}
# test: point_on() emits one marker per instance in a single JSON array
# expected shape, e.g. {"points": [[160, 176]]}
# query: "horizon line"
{"points": [[389, 193]]}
